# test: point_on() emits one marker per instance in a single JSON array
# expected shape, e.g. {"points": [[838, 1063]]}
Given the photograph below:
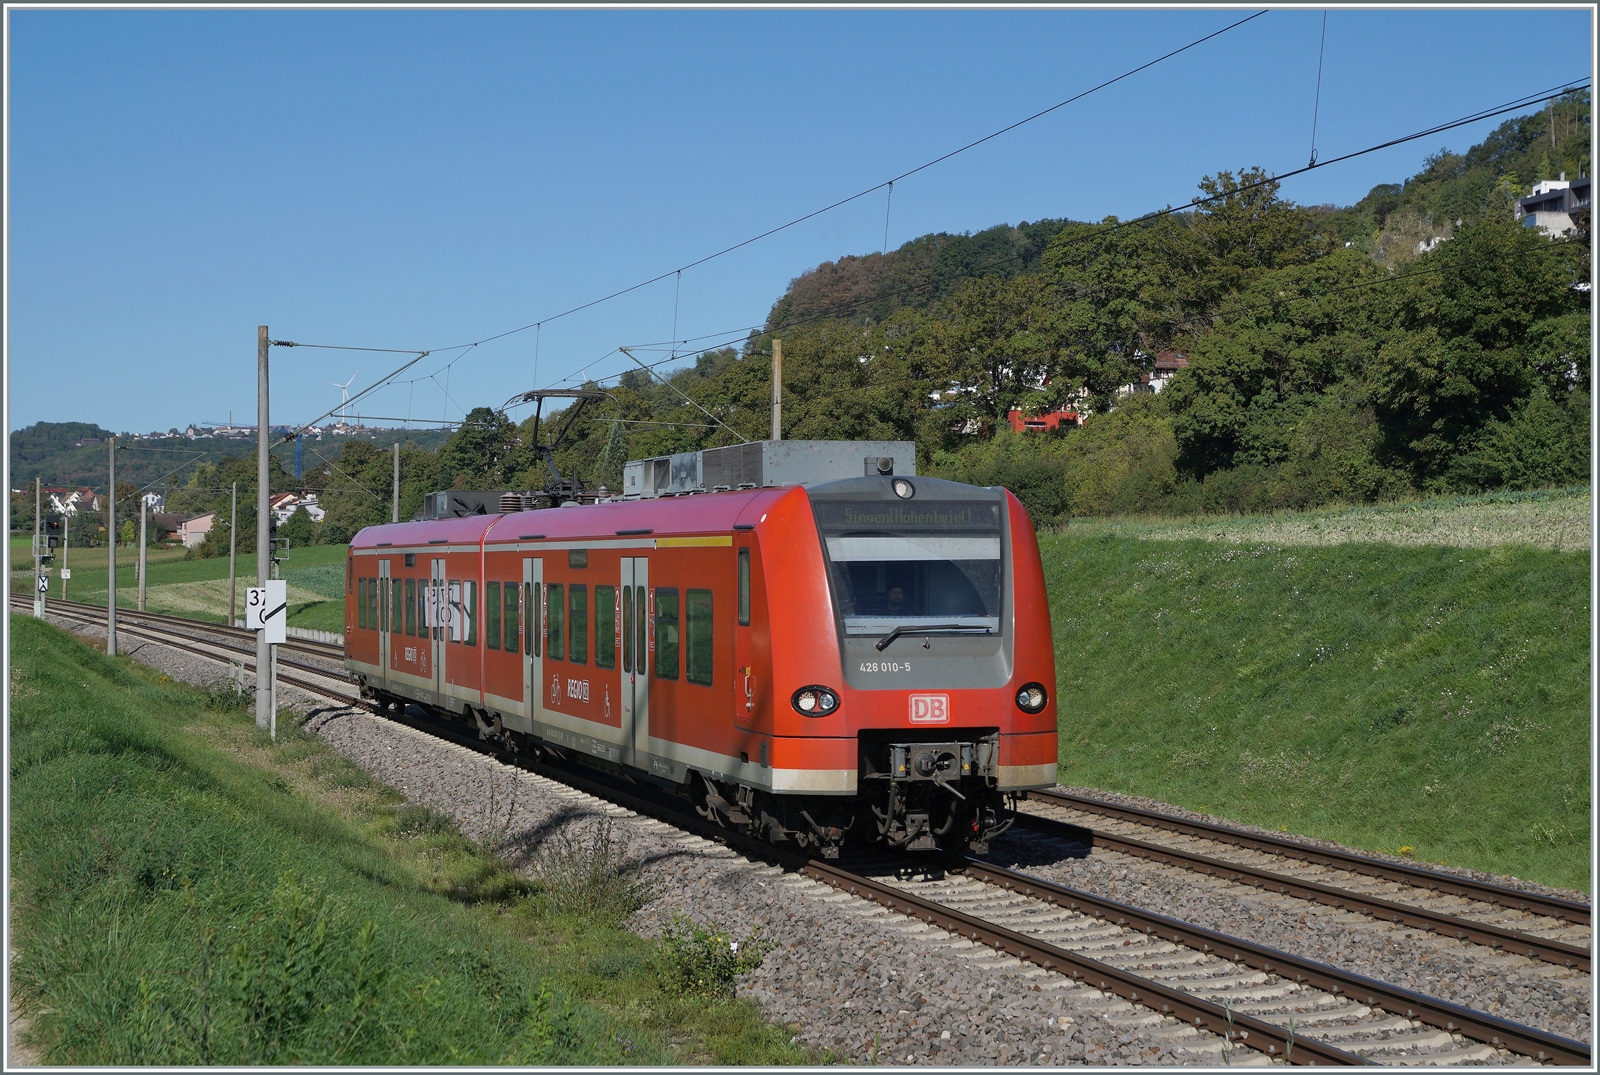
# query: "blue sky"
{"points": [[418, 179]]}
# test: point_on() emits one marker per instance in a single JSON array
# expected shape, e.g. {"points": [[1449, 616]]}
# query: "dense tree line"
{"points": [[1323, 365]]}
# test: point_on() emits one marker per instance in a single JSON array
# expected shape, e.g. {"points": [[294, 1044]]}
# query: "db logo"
{"points": [[930, 709]]}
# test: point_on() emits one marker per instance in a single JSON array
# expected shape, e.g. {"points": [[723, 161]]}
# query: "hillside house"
{"points": [[193, 530], [285, 505], [1162, 370], [1551, 205], [169, 524]]}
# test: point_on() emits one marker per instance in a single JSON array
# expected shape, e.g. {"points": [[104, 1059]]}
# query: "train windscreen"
{"points": [[923, 565]]}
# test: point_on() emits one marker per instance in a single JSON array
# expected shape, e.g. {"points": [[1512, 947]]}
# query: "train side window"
{"points": [[605, 626], [425, 622], [578, 624], [666, 632], [744, 587], [411, 607], [453, 614], [411, 559], [531, 642], [491, 608], [627, 628], [349, 574], [554, 616], [361, 603], [469, 607], [511, 617], [397, 607], [641, 630], [697, 653], [372, 603]]}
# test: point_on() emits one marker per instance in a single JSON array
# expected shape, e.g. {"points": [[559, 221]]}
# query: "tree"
{"points": [[482, 452], [297, 528], [1498, 321], [1277, 346]]}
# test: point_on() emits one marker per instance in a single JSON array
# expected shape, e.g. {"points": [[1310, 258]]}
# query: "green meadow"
{"points": [[195, 588], [186, 892], [1425, 699]]}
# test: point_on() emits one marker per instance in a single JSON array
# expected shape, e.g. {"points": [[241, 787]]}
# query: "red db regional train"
{"points": [[865, 659]]}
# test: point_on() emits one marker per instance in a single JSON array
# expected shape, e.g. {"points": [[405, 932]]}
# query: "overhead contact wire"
{"points": [[876, 186]]}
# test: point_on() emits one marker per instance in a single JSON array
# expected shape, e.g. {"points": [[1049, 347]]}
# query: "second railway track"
{"points": [[1186, 979], [1518, 930], [1063, 804]]}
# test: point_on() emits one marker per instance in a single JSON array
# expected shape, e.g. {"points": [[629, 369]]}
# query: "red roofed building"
{"points": [[1052, 420]]}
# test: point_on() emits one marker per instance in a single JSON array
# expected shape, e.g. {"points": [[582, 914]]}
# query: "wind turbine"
{"points": [[344, 399]]}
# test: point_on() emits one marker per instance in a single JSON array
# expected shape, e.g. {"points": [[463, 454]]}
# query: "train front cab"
{"points": [[906, 640]]}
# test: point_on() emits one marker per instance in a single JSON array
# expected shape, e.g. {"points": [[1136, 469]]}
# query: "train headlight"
{"points": [[814, 701], [1032, 698], [904, 489]]}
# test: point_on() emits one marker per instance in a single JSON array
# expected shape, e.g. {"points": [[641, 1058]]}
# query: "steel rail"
{"points": [[1415, 876], [1445, 925], [1272, 1040], [326, 650], [1480, 1026], [1131, 987]]}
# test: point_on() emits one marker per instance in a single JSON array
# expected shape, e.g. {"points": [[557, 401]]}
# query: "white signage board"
{"points": [[266, 608], [66, 572], [44, 583]]}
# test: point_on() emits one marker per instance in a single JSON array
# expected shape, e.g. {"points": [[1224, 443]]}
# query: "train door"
{"points": [[438, 609], [384, 595], [744, 679], [635, 661], [532, 635]]}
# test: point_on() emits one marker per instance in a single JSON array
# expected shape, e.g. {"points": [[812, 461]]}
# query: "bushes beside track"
{"points": [[1425, 698], [185, 892]]}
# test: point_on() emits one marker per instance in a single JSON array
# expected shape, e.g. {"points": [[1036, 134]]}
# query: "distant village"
{"points": [[189, 528], [233, 432]]}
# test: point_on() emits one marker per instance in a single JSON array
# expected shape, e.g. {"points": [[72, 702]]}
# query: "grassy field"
{"points": [[196, 588], [1388, 696], [1556, 519], [185, 892]]}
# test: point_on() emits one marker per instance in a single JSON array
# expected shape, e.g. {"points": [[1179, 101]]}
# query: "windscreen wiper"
{"points": [[928, 628]]}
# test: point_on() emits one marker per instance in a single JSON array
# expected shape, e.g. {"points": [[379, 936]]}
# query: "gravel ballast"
{"points": [[1513, 987]]}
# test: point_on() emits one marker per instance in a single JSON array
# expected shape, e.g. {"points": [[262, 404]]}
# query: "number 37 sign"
{"points": [[266, 608]]}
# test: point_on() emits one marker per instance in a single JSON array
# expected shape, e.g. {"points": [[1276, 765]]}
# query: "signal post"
{"points": [[39, 578], [266, 686]]}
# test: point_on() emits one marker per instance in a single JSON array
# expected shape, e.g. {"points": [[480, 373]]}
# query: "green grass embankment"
{"points": [[185, 892], [1383, 696], [194, 588], [1557, 519]]}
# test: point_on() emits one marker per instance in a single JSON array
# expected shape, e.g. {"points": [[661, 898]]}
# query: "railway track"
{"points": [[1263, 1004], [83, 612], [1540, 927]]}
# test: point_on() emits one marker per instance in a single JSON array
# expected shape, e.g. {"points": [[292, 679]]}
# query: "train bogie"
{"points": [[867, 659]]}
